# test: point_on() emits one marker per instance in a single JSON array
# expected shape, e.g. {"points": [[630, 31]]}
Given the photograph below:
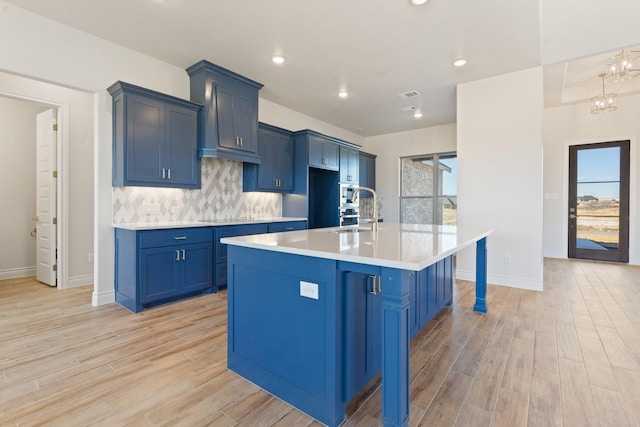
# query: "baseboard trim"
{"points": [[14, 273], [103, 298], [87, 279], [497, 279]]}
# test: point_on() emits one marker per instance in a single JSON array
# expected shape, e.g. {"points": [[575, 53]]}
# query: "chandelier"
{"points": [[621, 66], [605, 102]]}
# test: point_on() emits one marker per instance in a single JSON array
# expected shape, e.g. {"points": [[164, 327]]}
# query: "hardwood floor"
{"points": [[568, 356]]}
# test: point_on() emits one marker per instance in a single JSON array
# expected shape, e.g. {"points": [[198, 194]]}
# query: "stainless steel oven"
{"points": [[349, 211]]}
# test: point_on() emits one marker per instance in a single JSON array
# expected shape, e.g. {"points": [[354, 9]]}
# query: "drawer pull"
{"points": [[289, 229], [180, 238]]}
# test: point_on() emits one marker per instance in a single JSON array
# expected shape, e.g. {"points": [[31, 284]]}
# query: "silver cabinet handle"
{"points": [[241, 142], [164, 171], [169, 173], [183, 254], [180, 238], [376, 288], [177, 255], [289, 229]]}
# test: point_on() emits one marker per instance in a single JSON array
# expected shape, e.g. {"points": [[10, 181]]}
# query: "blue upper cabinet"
{"points": [[230, 123], [349, 165], [323, 153], [367, 172], [155, 139], [275, 171]]}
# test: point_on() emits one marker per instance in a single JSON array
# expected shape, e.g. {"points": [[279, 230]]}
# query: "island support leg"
{"points": [[481, 276], [395, 347]]}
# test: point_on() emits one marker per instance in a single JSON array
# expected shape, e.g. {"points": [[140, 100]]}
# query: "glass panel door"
{"points": [[599, 201]]}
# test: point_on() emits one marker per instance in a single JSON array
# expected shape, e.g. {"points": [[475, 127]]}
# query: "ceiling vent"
{"points": [[409, 108], [410, 94]]}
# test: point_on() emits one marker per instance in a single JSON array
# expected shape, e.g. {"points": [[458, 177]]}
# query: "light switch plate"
{"points": [[308, 290]]}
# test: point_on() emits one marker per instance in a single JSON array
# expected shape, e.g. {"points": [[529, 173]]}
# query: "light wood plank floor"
{"points": [[569, 356]]}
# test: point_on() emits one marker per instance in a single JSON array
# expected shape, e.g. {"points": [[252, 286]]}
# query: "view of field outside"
{"points": [[598, 210]]}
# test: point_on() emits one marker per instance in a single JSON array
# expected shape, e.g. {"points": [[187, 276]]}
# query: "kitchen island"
{"points": [[314, 315]]}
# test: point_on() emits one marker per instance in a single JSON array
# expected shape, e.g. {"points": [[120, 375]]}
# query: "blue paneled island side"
{"points": [[314, 315]]}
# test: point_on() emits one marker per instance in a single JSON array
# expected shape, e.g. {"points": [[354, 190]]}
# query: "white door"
{"points": [[46, 197]]}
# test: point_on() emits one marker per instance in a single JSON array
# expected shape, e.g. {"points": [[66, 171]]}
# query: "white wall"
{"points": [[500, 174], [390, 147], [283, 117], [18, 186], [574, 124]]}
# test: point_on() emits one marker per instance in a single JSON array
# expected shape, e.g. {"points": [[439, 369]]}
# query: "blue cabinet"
{"points": [[363, 332], [367, 172], [155, 139], [275, 171], [229, 127], [349, 165], [220, 249], [156, 266], [323, 153]]}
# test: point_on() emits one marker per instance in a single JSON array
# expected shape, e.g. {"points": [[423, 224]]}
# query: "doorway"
{"points": [[599, 201], [29, 143]]}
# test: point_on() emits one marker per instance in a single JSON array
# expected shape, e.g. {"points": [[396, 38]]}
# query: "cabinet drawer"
{"points": [[233, 231], [174, 236], [278, 227]]}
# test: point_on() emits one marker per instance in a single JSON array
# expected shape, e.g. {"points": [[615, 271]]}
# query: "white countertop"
{"points": [[405, 246], [214, 223]]}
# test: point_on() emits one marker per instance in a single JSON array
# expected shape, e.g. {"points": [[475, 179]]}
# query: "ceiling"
{"points": [[375, 50]]}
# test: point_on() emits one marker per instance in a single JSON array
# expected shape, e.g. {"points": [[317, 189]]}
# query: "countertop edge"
{"points": [[185, 224]]}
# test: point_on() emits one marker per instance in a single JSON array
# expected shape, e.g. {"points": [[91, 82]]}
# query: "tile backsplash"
{"points": [[220, 198]]}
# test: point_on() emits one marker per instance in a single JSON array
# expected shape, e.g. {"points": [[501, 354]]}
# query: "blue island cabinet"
{"points": [[310, 330], [155, 139], [158, 266]]}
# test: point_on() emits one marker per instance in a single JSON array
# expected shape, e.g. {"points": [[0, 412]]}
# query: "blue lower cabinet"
{"points": [[158, 266], [362, 322], [220, 261]]}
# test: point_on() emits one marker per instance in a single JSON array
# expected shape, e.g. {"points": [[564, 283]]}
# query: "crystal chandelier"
{"points": [[605, 102], [621, 66]]}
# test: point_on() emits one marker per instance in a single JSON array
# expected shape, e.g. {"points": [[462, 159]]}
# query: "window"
{"points": [[428, 194]]}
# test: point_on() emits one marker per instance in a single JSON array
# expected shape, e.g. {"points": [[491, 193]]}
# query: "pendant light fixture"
{"points": [[605, 102], [623, 66]]}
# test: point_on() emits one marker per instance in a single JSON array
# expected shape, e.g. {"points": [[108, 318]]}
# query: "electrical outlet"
{"points": [[150, 208], [308, 290], [507, 258]]}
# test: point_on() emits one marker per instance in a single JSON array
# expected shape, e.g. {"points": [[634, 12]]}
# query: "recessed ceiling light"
{"points": [[418, 2], [459, 62], [343, 94], [417, 114], [277, 59]]}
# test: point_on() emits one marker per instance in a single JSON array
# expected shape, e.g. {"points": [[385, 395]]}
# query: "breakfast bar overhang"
{"points": [[313, 315]]}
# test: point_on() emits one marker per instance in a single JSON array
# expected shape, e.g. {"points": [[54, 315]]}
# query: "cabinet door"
{"points": [[332, 155], [145, 139], [316, 152], [237, 118], [246, 120], [349, 172], [227, 136], [196, 267], [181, 147], [363, 331], [268, 160], [284, 160], [158, 273]]}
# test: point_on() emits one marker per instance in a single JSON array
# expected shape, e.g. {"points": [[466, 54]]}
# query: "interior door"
{"points": [[599, 201], [46, 197]]}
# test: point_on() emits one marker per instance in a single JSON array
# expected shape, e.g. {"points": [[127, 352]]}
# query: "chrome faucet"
{"points": [[374, 220]]}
